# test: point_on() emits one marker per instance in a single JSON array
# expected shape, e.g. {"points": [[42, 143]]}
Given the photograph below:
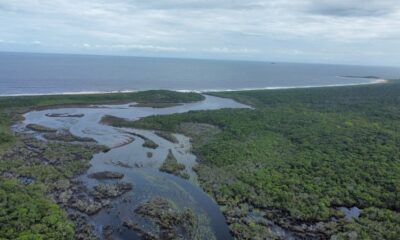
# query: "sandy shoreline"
{"points": [[375, 81]]}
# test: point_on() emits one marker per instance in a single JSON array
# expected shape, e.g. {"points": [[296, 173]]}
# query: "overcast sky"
{"points": [[328, 31]]}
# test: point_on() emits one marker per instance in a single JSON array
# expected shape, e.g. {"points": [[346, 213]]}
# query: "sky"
{"points": [[365, 32]]}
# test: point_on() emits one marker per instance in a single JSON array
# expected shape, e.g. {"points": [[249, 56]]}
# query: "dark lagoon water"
{"points": [[23, 73]]}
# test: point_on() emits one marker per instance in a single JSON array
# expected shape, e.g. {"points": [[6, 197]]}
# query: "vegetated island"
{"points": [[293, 161]]}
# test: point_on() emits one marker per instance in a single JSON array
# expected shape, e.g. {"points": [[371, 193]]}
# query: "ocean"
{"points": [[32, 74]]}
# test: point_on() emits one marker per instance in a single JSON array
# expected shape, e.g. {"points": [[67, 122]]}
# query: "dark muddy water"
{"points": [[129, 157]]}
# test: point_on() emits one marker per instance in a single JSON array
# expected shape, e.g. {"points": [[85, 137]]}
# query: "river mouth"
{"points": [[138, 165]]}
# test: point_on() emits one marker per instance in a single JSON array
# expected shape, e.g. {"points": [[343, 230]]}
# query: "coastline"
{"points": [[281, 223], [375, 81]]}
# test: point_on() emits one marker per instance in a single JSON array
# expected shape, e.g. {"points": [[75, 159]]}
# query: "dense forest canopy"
{"points": [[296, 156], [305, 152]]}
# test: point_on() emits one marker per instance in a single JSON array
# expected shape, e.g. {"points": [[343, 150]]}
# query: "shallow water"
{"points": [[129, 157], [350, 213]]}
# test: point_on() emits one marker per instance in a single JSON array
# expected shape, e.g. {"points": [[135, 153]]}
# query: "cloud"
{"points": [[149, 47], [231, 50], [199, 4], [253, 28], [130, 47], [353, 8]]}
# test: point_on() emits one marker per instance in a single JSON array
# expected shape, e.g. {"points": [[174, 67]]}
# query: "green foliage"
{"points": [[171, 165], [149, 144], [16, 104], [25, 211], [376, 224], [304, 152], [153, 96], [301, 152], [5, 136], [26, 214], [167, 136]]}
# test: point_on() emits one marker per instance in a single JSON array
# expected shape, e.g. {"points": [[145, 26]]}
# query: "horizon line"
{"points": [[193, 58]]}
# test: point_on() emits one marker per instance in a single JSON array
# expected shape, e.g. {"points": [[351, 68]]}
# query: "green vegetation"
{"points": [[300, 154], [156, 105], [108, 119], [153, 96], [66, 136], [171, 222], [149, 144], [376, 224], [167, 136], [26, 214], [6, 137], [172, 166], [11, 106], [295, 158], [39, 128], [32, 173]]}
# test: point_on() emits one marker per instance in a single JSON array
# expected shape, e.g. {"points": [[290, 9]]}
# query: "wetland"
{"points": [[319, 163], [120, 183]]}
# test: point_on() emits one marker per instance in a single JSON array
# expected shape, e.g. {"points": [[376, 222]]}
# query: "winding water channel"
{"points": [[140, 165]]}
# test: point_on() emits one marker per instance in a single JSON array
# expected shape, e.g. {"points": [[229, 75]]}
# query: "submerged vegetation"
{"points": [[149, 144], [39, 128], [298, 156], [167, 136], [32, 174], [292, 161], [171, 165], [173, 223], [35, 175]]}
